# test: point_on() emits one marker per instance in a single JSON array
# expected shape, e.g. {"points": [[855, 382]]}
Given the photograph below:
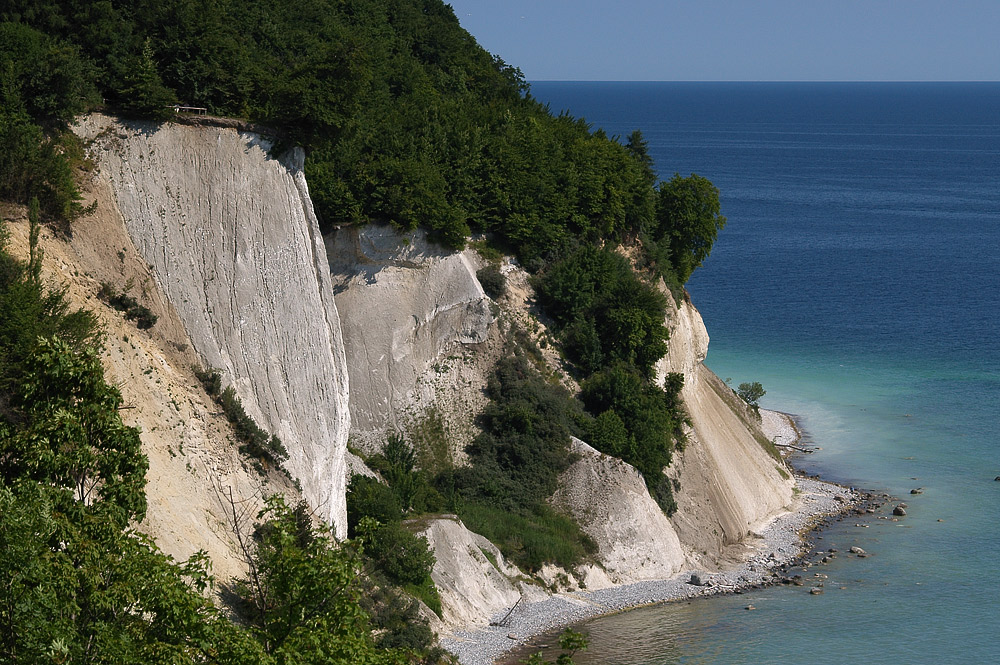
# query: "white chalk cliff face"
{"points": [[608, 498], [232, 239], [729, 485], [416, 324]]}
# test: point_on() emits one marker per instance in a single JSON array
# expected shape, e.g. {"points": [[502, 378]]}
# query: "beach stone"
{"points": [[699, 579], [899, 511], [815, 591], [857, 550], [751, 607], [917, 490], [997, 479], [511, 636]]}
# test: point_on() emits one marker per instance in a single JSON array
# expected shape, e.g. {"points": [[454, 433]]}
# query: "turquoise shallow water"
{"points": [[858, 279]]}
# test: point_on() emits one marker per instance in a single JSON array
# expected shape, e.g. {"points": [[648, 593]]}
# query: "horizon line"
{"points": [[541, 80]]}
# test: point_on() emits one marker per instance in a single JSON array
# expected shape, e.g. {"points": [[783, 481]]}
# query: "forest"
{"points": [[406, 121]]}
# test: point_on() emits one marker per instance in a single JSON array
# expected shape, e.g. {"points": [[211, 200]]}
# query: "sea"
{"points": [[858, 279]]}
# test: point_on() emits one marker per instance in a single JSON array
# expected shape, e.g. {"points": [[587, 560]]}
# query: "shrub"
{"points": [[120, 300], [367, 497], [257, 443], [638, 422], [211, 379], [401, 556], [492, 280], [603, 311]]}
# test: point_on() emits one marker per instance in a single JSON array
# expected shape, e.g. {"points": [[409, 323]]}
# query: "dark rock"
{"points": [[815, 591], [857, 550], [899, 511], [699, 579], [917, 490]]}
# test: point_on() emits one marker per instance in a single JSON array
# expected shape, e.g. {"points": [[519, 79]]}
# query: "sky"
{"points": [[740, 40]]}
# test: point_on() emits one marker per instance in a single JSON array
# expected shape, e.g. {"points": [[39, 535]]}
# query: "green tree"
{"points": [[639, 147], [144, 94], [688, 221], [72, 436], [302, 595], [751, 394], [82, 589]]}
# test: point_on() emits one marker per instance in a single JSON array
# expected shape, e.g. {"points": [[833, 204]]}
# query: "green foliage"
{"points": [[410, 486], [255, 441], [515, 463], [302, 597], [603, 311], [367, 497], [83, 589], [398, 554], [429, 435], [128, 305], [751, 392], [687, 220], [570, 642], [71, 436], [143, 93], [638, 422], [492, 280], [44, 82], [211, 379], [77, 583], [611, 325], [531, 537], [29, 309], [396, 557], [524, 444]]}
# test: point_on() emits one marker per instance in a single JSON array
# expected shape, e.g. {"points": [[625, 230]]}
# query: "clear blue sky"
{"points": [[741, 40]]}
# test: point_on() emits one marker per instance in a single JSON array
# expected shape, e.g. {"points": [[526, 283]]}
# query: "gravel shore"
{"points": [[779, 543]]}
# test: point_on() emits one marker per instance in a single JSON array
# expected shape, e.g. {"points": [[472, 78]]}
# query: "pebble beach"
{"points": [[778, 543]]}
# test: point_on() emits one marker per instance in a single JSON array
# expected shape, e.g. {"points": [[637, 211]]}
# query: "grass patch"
{"points": [[427, 593], [530, 540], [429, 437]]}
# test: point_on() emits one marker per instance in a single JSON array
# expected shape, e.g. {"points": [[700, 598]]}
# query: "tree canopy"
{"points": [[405, 118]]}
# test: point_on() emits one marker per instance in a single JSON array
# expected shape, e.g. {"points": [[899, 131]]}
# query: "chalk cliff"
{"points": [[729, 484], [231, 236], [419, 332], [223, 238], [435, 343]]}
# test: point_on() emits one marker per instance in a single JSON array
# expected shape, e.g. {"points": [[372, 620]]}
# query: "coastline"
{"points": [[777, 545]]}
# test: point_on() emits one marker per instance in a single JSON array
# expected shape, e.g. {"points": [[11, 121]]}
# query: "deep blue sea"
{"points": [[858, 279]]}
